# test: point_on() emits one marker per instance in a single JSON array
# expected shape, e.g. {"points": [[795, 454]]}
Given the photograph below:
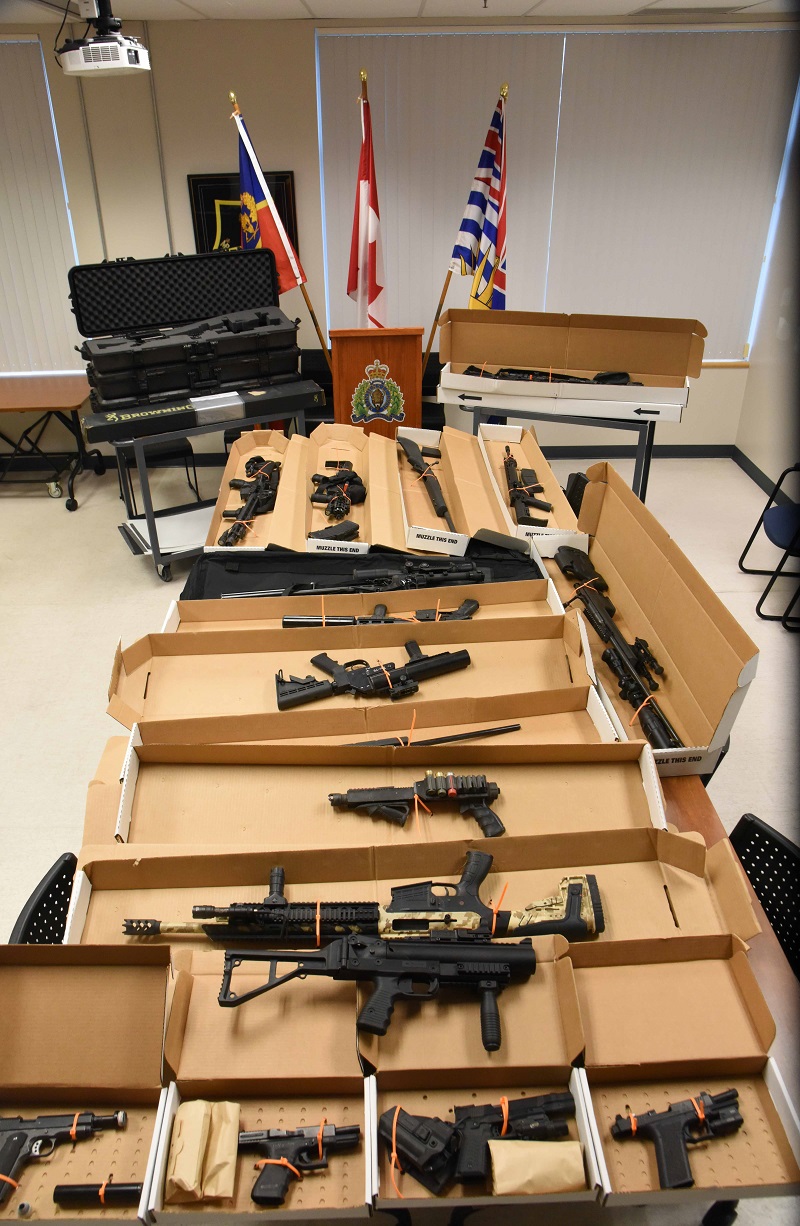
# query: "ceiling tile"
{"points": [[473, 10], [251, 10], [385, 10], [156, 10], [554, 9], [25, 12]]}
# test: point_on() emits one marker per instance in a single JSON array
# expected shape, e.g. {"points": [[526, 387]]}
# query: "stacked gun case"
{"points": [[182, 326]]}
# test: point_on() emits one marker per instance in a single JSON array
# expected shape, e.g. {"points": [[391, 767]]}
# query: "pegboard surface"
{"points": [[124, 295]]}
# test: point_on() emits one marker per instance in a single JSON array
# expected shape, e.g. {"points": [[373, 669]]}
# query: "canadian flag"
{"points": [[365, 279]]}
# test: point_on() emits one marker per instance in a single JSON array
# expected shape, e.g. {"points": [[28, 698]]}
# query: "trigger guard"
{"points": [[408, 993], [38, 1152]]}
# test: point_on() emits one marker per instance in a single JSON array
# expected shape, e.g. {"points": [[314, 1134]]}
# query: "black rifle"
{"points": [[629, 662], [411, 576], [97, 1195], [398, 970], [437, 1152], [421, 909], [416, 458], [685, 1123], [522, 489], [472, 793], [615, 377], [403, 741], [368, 680], [288, 1152], [23, 1141], [258, 495], [338, 491], [380, 617]]}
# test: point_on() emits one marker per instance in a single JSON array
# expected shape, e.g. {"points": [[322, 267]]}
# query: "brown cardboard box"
{"points": [[652, 884], [520, 598], [657, 353], [272, 445], [708, 659], [451, 1067], [467, 492], [373, 458], [561, 527], [664, 1021], [220, 686], [254, 796], [82, 1030], [289, 1058]]}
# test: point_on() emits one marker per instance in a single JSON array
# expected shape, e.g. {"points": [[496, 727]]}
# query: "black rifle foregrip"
{"points": [[490, 1020]]}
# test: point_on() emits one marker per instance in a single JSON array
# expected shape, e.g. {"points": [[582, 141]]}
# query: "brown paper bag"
{"points": [[187, 1151], [219, 1169], [520, 1167]]}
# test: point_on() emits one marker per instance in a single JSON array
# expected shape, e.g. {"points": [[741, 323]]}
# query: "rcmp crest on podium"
{"points": [[377, 397]]}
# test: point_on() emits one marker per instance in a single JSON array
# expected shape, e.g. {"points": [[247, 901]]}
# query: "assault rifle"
{"points": [[291, 1154], [472, 793], [629, 662], [437, 1152], [421, 909], [338, 491], [23, 1141], [416, 458], [258, 494], [522, 490], [411, 576], [368, 680], [400, 970], [380, 617], [685, 1123], [605, 377], [402, 742]]}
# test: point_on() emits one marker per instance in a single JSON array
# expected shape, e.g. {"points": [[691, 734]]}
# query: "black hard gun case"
{"points": [[182, 325]]}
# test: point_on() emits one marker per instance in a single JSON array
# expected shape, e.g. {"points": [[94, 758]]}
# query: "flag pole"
{"points": [[279, 224], [436, 319]]}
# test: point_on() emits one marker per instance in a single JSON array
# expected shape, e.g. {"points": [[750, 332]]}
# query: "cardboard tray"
{"points": [[272, 445], [657, 353], [240, 795], [665, 1021], [521, 598], [56, 995], [708, 659], [562, 525], [220, 686]]}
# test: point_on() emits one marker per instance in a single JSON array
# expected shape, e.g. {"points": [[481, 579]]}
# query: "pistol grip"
{"points": [[473, 1153], [489, 822], [272, 1183], [12, 1160], [672, 1158], [377, 1012]]}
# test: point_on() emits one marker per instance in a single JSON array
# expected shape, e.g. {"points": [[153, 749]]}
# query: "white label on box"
{"points": [[317, 546]]}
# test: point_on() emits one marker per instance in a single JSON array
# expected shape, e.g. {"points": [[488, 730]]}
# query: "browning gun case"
{"points": [[182, 325]]}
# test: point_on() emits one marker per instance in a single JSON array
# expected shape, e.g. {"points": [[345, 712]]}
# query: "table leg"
{"points": [[644, 453], [149, 514]]}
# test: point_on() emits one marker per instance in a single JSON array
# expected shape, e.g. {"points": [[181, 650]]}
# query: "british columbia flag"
{"points": [[480, 248], [365, 278]]}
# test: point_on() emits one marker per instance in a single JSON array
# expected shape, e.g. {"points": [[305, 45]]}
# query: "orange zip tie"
{"points": [[428, 469], [634, 1124], [74, 1129], [587, 583], [101, 1195], [411, 729], [318, 925], [278, 1162], [504, 1108], [699, 1108], [438, 602], [8, 1179], [395, 1161], [483, 368], [322, 1124], [497, 908], [386, 675], [638, 709], [417, 803]]}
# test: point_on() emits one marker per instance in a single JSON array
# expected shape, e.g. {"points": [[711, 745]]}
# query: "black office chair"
{"points": [[781, 523], [43, 919], [772, 862], [159, 455]]}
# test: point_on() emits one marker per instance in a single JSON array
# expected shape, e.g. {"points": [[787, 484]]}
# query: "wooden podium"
{"points": [[377, 377]]}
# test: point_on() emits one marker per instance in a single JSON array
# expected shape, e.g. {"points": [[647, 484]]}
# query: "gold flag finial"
{"points": [[504, 90], [362, 97], [234, 103]]}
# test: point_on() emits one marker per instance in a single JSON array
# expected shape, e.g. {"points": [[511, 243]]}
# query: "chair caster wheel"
{"points": [[71, 504], [99, 468], [54, 489], [165, 574]]}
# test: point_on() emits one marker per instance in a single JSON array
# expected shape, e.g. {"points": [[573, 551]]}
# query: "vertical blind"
{"points": [[36, 244], [641, 178]]}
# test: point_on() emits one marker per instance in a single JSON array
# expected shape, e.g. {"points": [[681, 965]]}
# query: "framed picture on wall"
{"points": [[215, 208]]}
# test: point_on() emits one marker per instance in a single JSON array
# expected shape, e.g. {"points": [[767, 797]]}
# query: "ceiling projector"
{"points": [[108, 51]]}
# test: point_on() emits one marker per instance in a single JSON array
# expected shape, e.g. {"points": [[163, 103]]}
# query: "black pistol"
{"points": [[290, 1154], [23, 1141], [682, 1124]]}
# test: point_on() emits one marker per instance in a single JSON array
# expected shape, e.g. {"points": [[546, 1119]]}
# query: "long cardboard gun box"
{"points": [[255, 795], [272, 447], [222, 686], [707, 659], [658, 354]]}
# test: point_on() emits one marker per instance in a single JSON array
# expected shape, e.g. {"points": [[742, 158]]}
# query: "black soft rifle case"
{"points": [[182, 325]]}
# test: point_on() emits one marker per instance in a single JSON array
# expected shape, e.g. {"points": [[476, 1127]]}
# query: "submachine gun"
{"points": [[421, 909], [523, 486], [629, 662], [258, 495]]}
